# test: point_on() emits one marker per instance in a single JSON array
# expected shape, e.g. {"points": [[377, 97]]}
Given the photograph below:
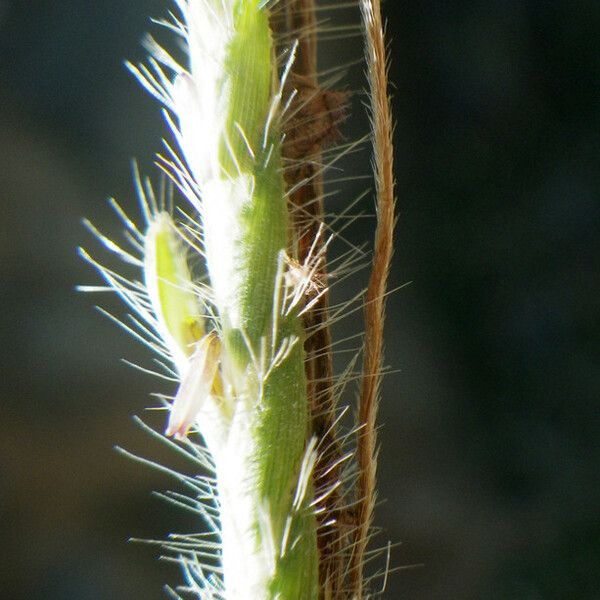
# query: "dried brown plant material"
{"points": [[382, 125], [316, 115]]}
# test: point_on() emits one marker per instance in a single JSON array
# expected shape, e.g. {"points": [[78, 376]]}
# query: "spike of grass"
{"points": [[242, 342]]}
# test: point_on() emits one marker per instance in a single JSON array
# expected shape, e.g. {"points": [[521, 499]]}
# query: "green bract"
{"points": [[169, 285]]}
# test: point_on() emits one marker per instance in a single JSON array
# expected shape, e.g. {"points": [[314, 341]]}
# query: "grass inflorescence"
{"points": [[284, 489]]}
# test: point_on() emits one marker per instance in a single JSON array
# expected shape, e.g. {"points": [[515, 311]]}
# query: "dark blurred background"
{"points": [[490, 448]]}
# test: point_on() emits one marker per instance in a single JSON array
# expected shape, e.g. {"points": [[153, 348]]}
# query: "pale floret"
{"points": [[195, 387]]}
